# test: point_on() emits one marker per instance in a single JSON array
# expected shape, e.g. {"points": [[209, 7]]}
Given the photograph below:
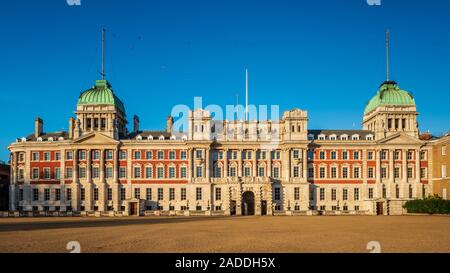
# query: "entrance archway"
{"points": [[248, 203]]}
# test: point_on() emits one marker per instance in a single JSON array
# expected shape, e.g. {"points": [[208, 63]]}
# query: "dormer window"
{"points": [[161, 137], [310, 137], [333, 137], [355, 137], [185, 138], [24, 139], [50, 139], [344, 137], [321, 137], [150, 137], [369, 137], [61, 139], [39, 139], [173, 138], [139, 137]]}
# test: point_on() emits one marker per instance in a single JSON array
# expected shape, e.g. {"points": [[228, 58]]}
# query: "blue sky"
{"points": [[324, 56]]}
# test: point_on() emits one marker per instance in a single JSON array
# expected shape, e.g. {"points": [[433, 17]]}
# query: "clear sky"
{"points": [[324, 56]]}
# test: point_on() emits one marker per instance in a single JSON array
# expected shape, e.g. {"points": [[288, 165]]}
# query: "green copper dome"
{"points": [[101, 94], [390, 94]]}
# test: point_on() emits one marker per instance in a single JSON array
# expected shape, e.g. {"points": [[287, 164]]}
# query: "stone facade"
{"points": [[221, 167], [441, 167]]}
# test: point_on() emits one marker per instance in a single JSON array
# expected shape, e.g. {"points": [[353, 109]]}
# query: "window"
{"points": [[370, 173], [296, 154], [410, 192], [310, 154], [35, 195], [397, 191], [82, 155], [183, 172], [96, 194], [296, 171], [311, 172], [345, 172], [344, 155], [21, 174], [322, 172], [57, 156], [396, 172], [247, 171], [276, 155], [109, 172], [217, 171], [46, 173], [82, 194], [35, 174], [333, 194], [123, 194], [148, 172], [172, 155], [276, 172], [69, 155], [171, 194], [261, 171], [47, 194], [345, 194], [410, 155], [160, 172], [69, 195], [384, 191], [95, 155], [149, 194], [137, 193], [383, 172], [95, 172], [149, 155], [370, 193], [277, 196], [82, 172], [47, 156], [198, 195], [160, 194], [137, 155], [172, 172], [57, 173], [355, 172], [123, 155], [370, 155], [35, 156], [123, 172], [296, 193], [444, 150], [183, 194], [322, 194], [199, 171], [355, 155], [396, 155], [199, 154], [410, 172], [322, 155], [444, 171], [423, 155], [423, 173], [109, 155], [109, 194], [383, 155], [333, 155], [218, 194], [183, 155]]}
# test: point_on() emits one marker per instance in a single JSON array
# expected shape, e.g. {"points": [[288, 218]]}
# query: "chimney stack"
{"points": [[136, 124], [71, 127], [38, 127], [170, 125]]}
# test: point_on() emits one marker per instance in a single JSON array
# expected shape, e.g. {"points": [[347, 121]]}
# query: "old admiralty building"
{"points": [[99, 167]]}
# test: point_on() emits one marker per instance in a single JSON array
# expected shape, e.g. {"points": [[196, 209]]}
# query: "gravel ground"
{"points": [[226, 234]]}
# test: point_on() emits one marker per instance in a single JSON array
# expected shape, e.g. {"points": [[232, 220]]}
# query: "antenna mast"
{"points": [[387, 55], [103, 53]]}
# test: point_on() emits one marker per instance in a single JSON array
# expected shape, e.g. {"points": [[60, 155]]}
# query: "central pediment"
{"points": [[96, 138], [400, 138]]}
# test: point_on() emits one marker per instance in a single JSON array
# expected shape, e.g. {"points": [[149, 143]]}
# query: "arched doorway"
{"points": [[248, 203]]}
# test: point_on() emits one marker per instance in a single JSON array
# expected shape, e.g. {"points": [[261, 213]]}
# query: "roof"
{"points": [[362, 133], [390, 94], [46, 136], [101, 94], [146, 134]]}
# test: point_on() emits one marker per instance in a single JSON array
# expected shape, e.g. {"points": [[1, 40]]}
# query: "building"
{"points": [[223, 167], [441, 163], [4, 186]]}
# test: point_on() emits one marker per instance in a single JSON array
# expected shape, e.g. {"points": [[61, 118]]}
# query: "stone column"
{"points": [[102, 187], [405, 165], [63, 177], [89, 187], [75, 183], [208, 163], [378, 187], [305, 164], [190, 164], [116, 185], [225, 163], [239, 174], [255, 163], [269, 163], [418, 178], [391, 175]]}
